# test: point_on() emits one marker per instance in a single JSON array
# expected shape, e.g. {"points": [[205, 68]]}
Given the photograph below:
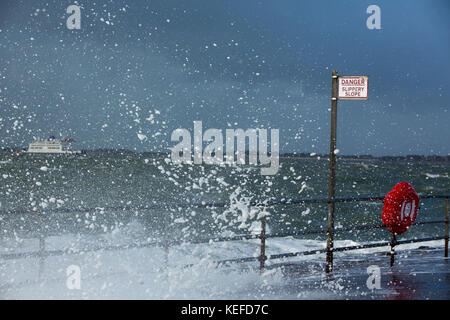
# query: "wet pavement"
{"points": [[418, 274]]}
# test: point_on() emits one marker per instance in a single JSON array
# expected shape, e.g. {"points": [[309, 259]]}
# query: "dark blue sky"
{"points": [[152, 66]]}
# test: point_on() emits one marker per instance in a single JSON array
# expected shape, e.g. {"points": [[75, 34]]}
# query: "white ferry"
{"points": [[50, 145]]}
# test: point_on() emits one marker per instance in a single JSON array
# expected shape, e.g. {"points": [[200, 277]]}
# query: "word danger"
{"points": [[353, 87], [213, 153]]}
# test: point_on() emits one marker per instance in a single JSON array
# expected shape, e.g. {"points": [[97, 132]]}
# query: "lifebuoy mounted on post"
{"points": [[400, 208]]}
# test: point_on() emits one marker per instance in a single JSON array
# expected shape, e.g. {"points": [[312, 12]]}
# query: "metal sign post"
{"points": [[342, 88], [330, 230], [392, 252]]}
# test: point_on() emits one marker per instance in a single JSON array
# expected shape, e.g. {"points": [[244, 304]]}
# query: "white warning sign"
{"points": [[353, 87]]}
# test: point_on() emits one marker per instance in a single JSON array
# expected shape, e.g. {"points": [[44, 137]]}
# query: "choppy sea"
{"points": [[100, 200]]}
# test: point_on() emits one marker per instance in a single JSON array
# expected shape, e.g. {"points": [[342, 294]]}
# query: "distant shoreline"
{"points": [[288, 155], [368, 158]]}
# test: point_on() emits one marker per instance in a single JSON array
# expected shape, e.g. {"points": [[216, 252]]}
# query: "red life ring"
{"points": [[400, 208]]}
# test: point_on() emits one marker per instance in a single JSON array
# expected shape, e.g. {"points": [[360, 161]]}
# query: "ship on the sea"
{"points": [[50, 146]]}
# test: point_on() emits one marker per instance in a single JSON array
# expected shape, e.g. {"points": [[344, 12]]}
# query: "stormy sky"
{"points": [[149, 67]]}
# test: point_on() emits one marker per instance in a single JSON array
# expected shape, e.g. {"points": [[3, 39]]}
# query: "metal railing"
{"points": [[42, 253]]}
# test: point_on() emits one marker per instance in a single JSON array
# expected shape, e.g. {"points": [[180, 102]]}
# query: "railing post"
{"points": [[393, 243], [262, 256], [41, 244], [331, 203], [166, 239], [446, 228]]}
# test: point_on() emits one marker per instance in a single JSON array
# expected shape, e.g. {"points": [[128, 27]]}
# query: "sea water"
{"points": [[100, 200]]}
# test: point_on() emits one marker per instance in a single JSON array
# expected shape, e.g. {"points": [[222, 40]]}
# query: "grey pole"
{"points": [[446, 228], [332, 182], [262, 256], [392, 252]]}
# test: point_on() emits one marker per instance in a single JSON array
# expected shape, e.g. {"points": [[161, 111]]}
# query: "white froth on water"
{"points": [[154, 273]]}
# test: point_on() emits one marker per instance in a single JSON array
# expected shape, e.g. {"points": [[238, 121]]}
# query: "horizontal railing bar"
{"points": [[387, 243], [221, 239], [318, 251], [217, 205], [420, 240], [35, 254], [294, 233], [336, 230], [338, 249], [380, 226], [51, 253], [308, 232], [245, 259]]}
